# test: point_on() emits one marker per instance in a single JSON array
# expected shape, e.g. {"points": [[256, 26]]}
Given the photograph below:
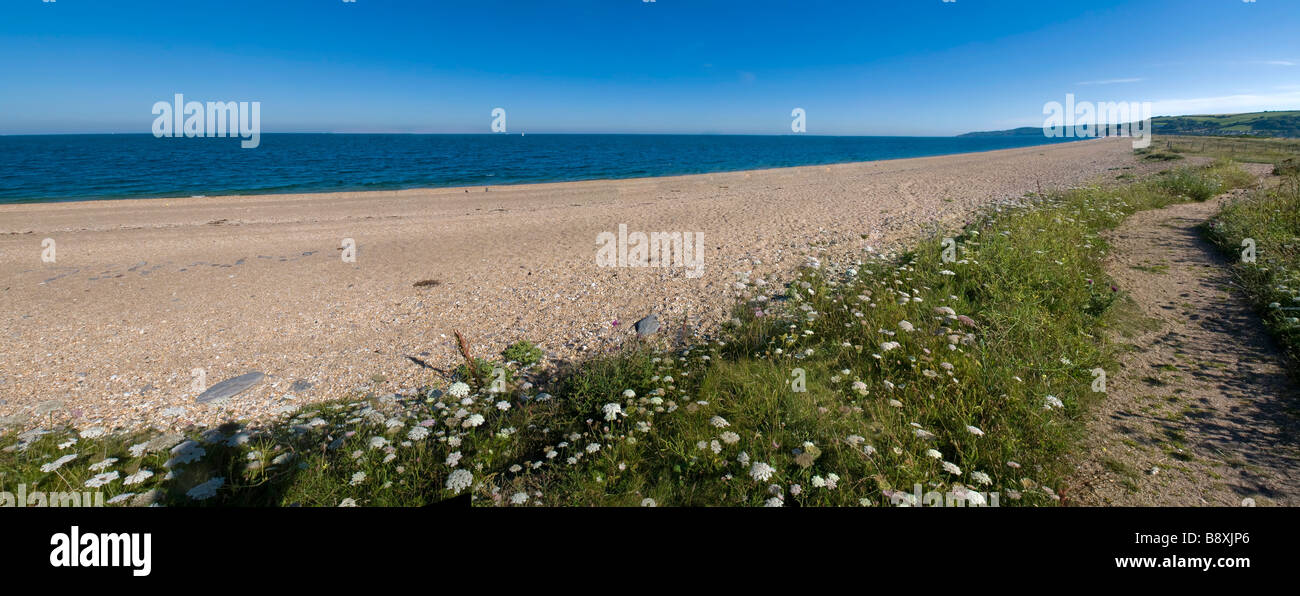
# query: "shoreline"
{"points": [[144, 291], [509, 184]]}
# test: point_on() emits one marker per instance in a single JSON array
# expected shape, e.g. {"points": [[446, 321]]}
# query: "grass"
{"points": [[1156, 155], [849, 386], [1127, 473], [1255, 150], [1271, 218]]}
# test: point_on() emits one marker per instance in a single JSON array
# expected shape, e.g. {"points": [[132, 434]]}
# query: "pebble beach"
{"points": [[149, 303]]}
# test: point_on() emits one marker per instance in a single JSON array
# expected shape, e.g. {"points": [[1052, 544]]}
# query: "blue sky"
{"points": [[905, 67]]}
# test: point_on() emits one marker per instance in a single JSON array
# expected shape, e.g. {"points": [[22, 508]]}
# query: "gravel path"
{"points": [[1202, 410], [144, 293]]}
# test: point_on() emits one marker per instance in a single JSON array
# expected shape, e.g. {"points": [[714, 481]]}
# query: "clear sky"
{"points": [[905, 67]]}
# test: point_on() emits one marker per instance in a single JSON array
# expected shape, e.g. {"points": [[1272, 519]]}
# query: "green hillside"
{"points": [[1257, 124]]}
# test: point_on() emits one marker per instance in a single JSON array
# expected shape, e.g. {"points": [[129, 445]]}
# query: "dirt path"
{"points": [[1201, 411]]}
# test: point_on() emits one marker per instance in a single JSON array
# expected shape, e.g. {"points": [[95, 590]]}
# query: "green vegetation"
{"points": [[1274, 151], [1271, 218], [1253, 124], [482, 372], [856, 382], [1149, 155], [1259, 124], [523, 352]]}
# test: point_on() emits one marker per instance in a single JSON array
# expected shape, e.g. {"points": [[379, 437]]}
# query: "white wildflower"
{"points": [[761, 471], [58, 463], [186, 452], [138, 449], [137, 477], [458, 390], [459, 480], [102, 465], [207, 490], [102, 479]]}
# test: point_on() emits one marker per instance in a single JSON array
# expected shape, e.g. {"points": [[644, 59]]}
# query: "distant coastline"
{"points": [[1254, 124]]}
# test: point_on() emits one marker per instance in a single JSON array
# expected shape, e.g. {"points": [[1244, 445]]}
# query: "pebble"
{"points": [[647, 326], [231, 387]]}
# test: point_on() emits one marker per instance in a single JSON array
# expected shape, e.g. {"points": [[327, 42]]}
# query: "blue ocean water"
{"points": [[81, 167]]}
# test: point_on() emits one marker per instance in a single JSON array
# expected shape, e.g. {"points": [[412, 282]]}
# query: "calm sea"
{"points": [[80, 167]]}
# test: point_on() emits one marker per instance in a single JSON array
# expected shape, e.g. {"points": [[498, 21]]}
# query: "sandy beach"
{"points": [[143, 292]]}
